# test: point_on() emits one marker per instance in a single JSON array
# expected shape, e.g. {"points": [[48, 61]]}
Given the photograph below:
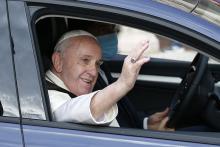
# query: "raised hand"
{"points": [[105, 99], [132, 65]]}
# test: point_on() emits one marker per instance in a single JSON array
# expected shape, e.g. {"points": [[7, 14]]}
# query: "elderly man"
{"points": [[76, 60]]}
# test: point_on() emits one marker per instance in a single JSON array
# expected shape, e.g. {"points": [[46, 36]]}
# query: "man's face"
{"points": [[80, 65]]}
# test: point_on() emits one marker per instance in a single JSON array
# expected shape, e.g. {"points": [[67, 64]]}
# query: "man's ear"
{"points": [[57, 61]]}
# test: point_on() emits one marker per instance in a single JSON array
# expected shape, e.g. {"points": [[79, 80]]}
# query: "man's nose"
{"points": [[93, 70]]}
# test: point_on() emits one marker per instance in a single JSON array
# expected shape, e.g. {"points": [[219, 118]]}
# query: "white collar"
{"points": [[51, 77]]}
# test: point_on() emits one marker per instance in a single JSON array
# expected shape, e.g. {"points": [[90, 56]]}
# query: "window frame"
{"points": [[7, 51], [78, 10], [10, 126], [27, 82]]}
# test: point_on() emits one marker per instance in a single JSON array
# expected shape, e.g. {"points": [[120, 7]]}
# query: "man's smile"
{"points": [[88, 81]]}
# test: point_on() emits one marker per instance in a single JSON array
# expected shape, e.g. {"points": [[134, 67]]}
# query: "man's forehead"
{"points": [[80, 42], [87, 47], [90, 53], [72, 35]]}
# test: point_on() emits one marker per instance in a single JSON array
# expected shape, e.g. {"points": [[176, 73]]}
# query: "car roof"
{"points": [[160, 10], [206, 9]]}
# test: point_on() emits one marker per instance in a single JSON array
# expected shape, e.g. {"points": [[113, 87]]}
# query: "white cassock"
{"points": [[67, 109]]}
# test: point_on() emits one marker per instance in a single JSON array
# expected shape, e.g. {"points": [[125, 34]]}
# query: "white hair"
{"points": [[71, 34]]}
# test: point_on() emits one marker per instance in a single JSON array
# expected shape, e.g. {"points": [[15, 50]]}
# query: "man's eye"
{"points": [[85, 61]]}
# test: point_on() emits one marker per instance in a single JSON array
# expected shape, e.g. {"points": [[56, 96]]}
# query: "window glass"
{"points": [[8, 95], [27, 72]]}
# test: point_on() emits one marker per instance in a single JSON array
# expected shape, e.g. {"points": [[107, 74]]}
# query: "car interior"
{"points": [[193, 102]]}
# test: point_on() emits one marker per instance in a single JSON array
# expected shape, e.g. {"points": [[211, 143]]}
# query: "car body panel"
{"points": [[32, 96], [10, 135], [207, 9], [62, 137]]}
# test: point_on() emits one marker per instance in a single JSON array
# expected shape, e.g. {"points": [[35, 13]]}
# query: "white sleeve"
{"points": [[77, 109], [145, 125]]}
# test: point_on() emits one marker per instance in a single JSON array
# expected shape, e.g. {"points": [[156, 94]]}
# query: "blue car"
{"points": [[183, 73]]}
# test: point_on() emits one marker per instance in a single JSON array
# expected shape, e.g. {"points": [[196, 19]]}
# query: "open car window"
{"points": [[160, 47], [171, 57]]}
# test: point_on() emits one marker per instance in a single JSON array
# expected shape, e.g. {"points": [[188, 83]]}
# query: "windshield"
{"points": [[207, 9]]}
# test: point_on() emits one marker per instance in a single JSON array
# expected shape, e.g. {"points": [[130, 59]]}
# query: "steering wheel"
{"points": [[184, 93]]}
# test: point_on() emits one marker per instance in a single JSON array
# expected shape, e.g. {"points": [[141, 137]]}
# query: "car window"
{"points": [[27, 73], [49, 28], [160, 47], [8, 95]]}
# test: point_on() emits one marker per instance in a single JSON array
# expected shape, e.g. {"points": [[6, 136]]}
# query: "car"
{"points": [[183, 73]]}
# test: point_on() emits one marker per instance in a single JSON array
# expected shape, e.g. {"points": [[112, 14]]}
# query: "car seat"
{"points": [[49, 31]]}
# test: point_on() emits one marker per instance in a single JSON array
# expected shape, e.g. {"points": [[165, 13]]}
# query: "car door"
{"points": [[38, 127], [10, 127]]}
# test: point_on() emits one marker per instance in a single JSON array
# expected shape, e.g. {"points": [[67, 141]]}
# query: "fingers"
{"points": [[170, 129], [159, 116], [141, 61], [132, 65], [163, 123], [138, 52], [163, 127], [143, 48], [162, 114]]}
